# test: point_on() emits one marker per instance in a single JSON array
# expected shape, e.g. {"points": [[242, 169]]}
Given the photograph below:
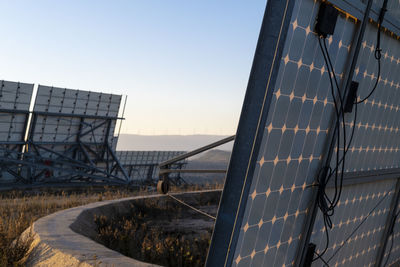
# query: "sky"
{"points": [[184, 65]]}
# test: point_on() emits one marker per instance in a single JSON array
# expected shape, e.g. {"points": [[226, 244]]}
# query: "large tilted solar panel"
{"points": [[357, 201], [293, 142], [14, 97], [274, 204]]}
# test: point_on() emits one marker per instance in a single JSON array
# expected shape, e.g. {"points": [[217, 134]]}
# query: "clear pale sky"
{"points": [[183, 64]]}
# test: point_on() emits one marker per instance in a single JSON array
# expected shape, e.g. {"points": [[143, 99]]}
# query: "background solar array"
{"points": [[144, 164], [293, 142]]}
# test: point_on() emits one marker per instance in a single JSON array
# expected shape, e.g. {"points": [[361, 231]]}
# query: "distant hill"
{"points": [[213, 160], [215, 156], [168, 142]]}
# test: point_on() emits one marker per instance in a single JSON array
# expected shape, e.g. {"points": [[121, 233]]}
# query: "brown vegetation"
{"points": [[162, 232], [18, 210]]}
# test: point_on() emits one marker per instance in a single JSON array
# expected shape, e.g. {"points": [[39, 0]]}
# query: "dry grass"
{"points": [[19, 210], [153, 232]]}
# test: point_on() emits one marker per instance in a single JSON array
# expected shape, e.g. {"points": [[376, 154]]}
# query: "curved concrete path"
{"points": [[56, 244]]}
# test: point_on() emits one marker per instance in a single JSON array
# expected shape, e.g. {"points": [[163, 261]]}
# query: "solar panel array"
{"points": [[144, 164], [275, 204], [68, 136], [51, 100]]}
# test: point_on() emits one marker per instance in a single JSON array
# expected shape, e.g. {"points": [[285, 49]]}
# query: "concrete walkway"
{"points": [[55, 244]]}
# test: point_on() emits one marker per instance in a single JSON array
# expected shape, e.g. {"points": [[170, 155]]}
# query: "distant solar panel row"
{"points": [[143, 165]]}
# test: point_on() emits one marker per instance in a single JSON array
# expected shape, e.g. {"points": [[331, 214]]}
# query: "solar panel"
{"points": [[144, 164], [71, 132], [68, 101], [15, 99], [283, 137]]}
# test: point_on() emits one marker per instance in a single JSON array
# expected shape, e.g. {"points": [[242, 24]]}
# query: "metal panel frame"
{"points": [[250, 130]]}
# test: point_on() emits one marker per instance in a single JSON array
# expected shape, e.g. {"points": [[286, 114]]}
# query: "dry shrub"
{"points": [[142, 237], [18, 210]]}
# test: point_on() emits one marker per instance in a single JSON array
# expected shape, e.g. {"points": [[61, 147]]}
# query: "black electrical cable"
{"points": [[327, 172], [325, 204], [336, 198], [378, 50], [326, 264]]}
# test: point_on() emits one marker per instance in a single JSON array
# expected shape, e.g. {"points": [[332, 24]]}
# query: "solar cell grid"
{"points": [[294, 136], [68, 101], [376, 144], [393, 7], [356, 203], [394, 249]]}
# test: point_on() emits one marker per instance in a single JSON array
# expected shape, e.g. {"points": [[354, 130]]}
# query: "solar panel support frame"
{"points": [[78, 146], [275, 23]]}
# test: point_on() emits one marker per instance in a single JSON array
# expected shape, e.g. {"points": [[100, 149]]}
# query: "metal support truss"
{"points": [[74, 160]]}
